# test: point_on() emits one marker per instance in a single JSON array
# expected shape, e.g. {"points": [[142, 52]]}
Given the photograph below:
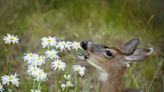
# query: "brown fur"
{"points": [[114, 68], [114, 83], [111, 62]]}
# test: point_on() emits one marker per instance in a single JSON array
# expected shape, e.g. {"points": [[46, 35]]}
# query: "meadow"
{"points": [[109, 22]]}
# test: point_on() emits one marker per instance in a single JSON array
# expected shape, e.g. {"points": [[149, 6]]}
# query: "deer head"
{"points": [[111, 61]]}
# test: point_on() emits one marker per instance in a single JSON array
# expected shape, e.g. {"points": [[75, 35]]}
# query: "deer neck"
{"points": [[111, 81]]}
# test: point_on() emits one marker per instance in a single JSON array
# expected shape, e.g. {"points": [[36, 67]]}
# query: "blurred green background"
{"points": [[109, 22]]}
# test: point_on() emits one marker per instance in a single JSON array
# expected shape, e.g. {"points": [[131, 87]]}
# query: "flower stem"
{"points": [[39, 85], [77, 82], [33, 84]]}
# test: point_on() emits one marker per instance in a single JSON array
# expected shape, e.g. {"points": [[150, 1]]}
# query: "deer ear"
{"points": [[139, 54], [130, 46]]}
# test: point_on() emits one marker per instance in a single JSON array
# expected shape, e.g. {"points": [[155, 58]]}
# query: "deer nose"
{"points": [[84, 44]]}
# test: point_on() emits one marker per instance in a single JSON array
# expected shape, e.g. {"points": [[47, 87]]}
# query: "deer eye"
{"points": [[108, 54]]}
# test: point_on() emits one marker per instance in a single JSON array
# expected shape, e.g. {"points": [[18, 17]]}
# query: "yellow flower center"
{"points": [[30, 55], [39, 58], [34, 69], [49, 40], [59, 64], [11, 39], [40, 74], [10, 78]]}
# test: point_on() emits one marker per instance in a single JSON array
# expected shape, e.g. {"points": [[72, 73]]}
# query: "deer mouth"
{"points": [[84, 55]]}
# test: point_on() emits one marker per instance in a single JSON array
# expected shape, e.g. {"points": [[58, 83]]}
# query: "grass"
{"points": [[108, 22]]}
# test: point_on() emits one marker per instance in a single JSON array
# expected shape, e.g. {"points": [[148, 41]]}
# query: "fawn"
{"points": [[111, 62]]}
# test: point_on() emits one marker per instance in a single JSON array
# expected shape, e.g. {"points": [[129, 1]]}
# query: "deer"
{"points": [[111, 62]]}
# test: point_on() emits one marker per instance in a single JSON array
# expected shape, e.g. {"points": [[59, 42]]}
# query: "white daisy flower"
{"points": [[29, 57], [52, 54], [68, 45], [48, 41], [35, 90], [37, 73], [66, 85], [39, 60], [76, 45], [33, 70], [6, 80], [11, 39], [69, 84], [63, 86], [67, 76], [81, 70], [61, 45], [34, 59], [41, 76], [1, 88], [58, 65], [14, 80]]}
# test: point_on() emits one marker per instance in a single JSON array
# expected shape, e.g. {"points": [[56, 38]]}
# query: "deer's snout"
{"points": [[84, 45]]}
